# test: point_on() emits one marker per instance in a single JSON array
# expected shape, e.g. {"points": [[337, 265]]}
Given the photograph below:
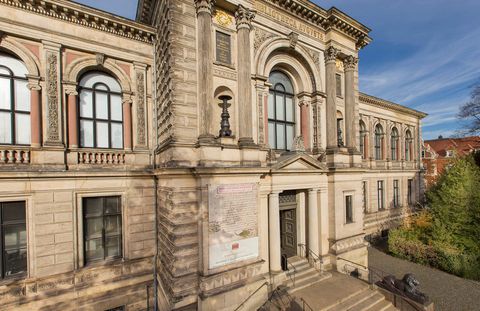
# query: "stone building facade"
{"points": [[175, 159]]}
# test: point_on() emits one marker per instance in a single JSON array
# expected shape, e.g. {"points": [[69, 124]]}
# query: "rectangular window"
{"points": [[364, 188], [349, 209], [223, 48], [13, 241], [102, 227], [338, 81], [380, 195], [410, 192], [396, 196]]}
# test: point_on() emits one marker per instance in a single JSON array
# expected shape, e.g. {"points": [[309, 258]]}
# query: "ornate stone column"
{"points": [[127, 121], [350, 65], [313, 220], [205, 68], [244, 17], [35, 112], [330, 58], [71, 91], [274, 232], [324, 220], [53, 111]]}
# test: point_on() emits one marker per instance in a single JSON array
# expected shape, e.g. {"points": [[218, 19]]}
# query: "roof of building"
{"points": [[369, 99], [461, 146]]}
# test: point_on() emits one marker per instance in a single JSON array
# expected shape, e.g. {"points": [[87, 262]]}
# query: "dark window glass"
{"points": [[396, 195], [348, 209], [380, 195], [281, 112], [363, 135], [364, 188], [102, 228], [338, 81], [13, 241], [408, 146], [394, 144], [378, 142], [410, 192]]}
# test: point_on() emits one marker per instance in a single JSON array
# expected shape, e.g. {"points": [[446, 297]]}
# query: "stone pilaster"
{"points": [[350, 65], [141, 106], [331, 90], [35, 111], [127, 121], [313, 236], [244, 17], [205, 68], [274, 231], [71, 91]]}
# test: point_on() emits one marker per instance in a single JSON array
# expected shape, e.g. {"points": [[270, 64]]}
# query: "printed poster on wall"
{"points": [[232, 223]]}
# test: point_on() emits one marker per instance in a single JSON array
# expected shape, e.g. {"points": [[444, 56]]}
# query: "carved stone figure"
{"points": [[407, 287], [298, 144]]}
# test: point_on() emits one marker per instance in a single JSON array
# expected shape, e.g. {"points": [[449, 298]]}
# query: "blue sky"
{"points": [[425, 54]]}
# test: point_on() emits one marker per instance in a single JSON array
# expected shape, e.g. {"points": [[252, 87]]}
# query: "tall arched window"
{"points": [[100, 111], [378, 142], [281, 112], [394, 144], [408, 145], [363, 139], [14, 102]]}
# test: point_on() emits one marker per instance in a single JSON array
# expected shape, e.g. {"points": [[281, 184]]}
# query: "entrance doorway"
{"points": [[288, 232]]}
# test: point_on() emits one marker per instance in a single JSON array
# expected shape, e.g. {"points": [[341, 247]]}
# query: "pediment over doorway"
{"points": [[297, 162]]}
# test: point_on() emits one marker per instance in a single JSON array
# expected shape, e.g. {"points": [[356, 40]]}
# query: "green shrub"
{"points": [[404, 243]]}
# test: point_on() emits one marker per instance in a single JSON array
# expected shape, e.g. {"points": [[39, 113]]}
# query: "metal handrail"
{"points": [[289, 274], [312, 256], [305, 304], [250, 296]]}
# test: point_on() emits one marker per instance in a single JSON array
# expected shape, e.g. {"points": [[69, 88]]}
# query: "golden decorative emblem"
{"points": [[339, 64], [223, 18]]}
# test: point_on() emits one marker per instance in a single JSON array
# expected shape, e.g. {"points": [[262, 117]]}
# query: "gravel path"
{"points": [[448, 292]]}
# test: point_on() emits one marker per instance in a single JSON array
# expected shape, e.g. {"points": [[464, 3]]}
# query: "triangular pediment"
{"points": [[297, 162]]}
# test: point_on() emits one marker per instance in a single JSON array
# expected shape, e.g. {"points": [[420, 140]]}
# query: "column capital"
{"points": [[127, 98], [205, 6], [350, 63], [244, 17], [70, 89], [33, 83], [274, 193], [330, 54], [311, 190]]}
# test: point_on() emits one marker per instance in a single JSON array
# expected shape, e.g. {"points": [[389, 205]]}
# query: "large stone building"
{"points": [[194, 147]]}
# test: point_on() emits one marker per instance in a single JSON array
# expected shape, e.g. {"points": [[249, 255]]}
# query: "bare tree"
{"points": [[470, 112]]}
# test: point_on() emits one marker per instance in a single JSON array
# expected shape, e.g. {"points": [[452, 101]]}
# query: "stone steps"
{"points": [[363, 300], [305, 275]]}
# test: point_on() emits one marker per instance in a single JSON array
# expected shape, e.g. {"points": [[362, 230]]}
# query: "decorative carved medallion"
{"points": [[260, 37], [140, 108], [331, 54], [223, 18], [52, 98], [244, 17]]}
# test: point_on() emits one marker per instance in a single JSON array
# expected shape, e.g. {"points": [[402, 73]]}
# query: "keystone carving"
{"points": [[205, 6], [293, 36], [100, 58], [244, 17], [331, 54]]}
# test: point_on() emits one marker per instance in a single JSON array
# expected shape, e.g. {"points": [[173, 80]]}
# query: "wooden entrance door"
{"points": [[288, 232]]}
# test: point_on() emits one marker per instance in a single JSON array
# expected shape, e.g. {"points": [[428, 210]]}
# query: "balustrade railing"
{"points": [[101, 157], [12, 155]]}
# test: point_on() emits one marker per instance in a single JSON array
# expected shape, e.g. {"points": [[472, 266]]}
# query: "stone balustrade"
{"points": [[13, 155], [101, 157]]}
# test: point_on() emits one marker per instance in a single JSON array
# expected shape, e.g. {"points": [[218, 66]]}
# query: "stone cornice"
{"points": [[372, 100], [74, 13]]}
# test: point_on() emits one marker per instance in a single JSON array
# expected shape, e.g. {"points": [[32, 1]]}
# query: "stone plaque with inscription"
{"points": [[224, 47], [232, 224]]}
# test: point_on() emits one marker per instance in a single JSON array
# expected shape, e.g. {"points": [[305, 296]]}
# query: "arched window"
{"points": [[281, 112], [100, 111], [378, 142], [363, 139], [408, 145], [394, 144], [14, 102], [340, 141]]}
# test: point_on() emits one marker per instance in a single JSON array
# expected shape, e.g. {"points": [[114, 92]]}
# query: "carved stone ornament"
{"points": [[331, 54], [244, 17], [260, 37], [298, 144], [293, 37], [350, 62], [315, 56], [223, 18], [70, 89], [52, 97], [205, 6], [140, 108], [271, 156], [100, 58]]}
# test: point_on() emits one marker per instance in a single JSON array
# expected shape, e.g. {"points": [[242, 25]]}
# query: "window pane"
{"points": [[271, 135], [4, 71], [116, 108], [86, 133], [5, 128], [13, 211], [101, 105], [22, 96], [93, 227], [271, 106], [117, 135], [113, 225], [280, 107], [5, 102], [290, 134], [94, 249], [93, 206], [102, 134], [15, 261], [280, 136], [112, 205], [22, 128], [113, 246], [15, 236], [101, 87], [290, 109], [86, 109]]}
